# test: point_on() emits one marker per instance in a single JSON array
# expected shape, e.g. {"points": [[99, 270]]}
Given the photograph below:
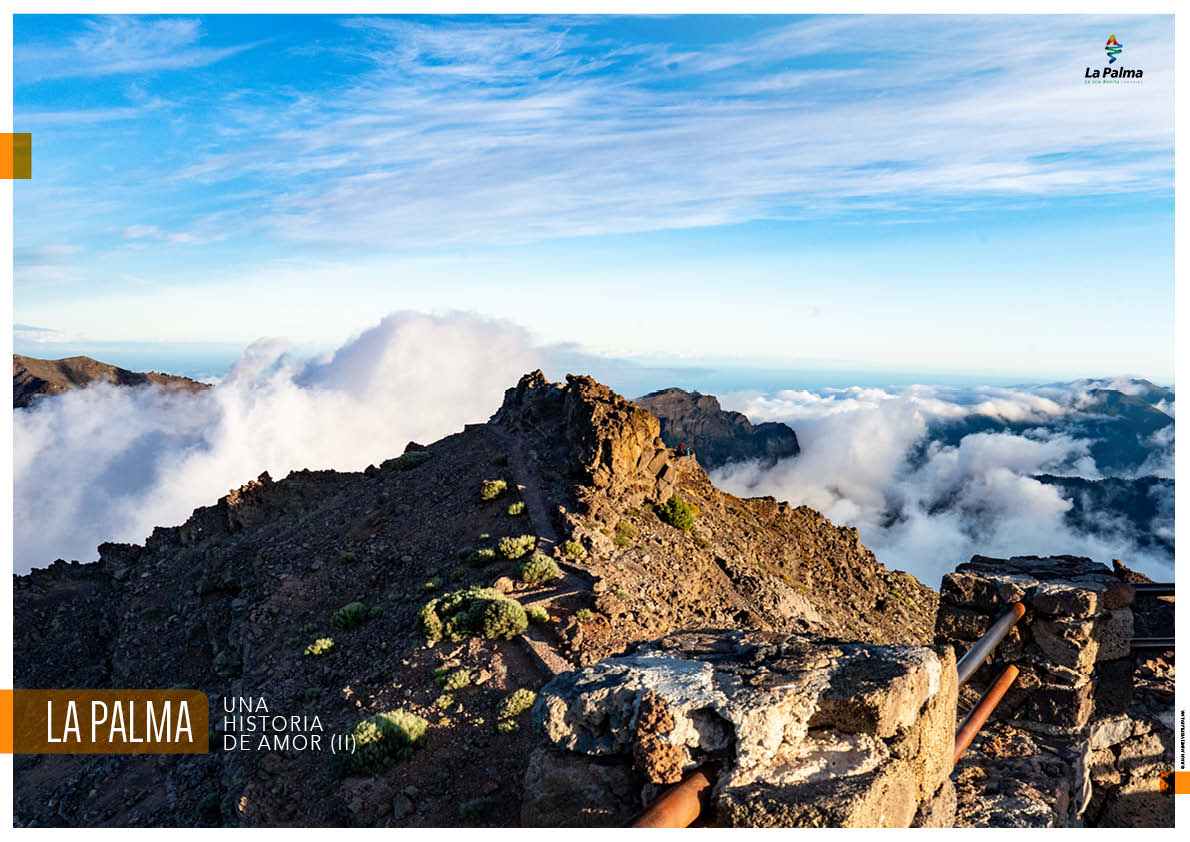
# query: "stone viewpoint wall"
{"points": [[798, 732], [1086, 730]]}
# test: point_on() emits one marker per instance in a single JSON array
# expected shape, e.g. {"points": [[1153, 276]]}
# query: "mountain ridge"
{"points": [[226, 601]]}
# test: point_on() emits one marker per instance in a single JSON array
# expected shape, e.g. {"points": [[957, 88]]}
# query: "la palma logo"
{"points": [[1113, 49], [1110, 75]]}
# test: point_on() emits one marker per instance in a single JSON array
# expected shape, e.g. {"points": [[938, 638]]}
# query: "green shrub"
{"points": [[517, 508], [465, 553], [537, 614], [351, 615], [508, 726], [320, 646], [433, 583], [458, 575], [409, 461], [512, 548], [381, 740], [677, 513], [474, 612], [625, 534], [539, 569], [444, 701], [492, 488], [500, 460], [574, 549], [476, 809], [516, 703], [621, 593], [584, 613], [451, 681], [482, 556], [347, 558]]}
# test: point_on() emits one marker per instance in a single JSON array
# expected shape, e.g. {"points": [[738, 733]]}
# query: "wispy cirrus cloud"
{"points": [[118, 45], [497, 132]]}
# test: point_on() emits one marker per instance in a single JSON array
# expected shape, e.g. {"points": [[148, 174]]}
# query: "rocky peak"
{"points": [[717, 435]]}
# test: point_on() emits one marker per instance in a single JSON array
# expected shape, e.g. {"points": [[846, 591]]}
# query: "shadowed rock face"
{"points": [[32, 377], [228, 601], [716, 435]]}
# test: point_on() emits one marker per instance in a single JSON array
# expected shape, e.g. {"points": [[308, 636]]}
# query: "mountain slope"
{"points": [[228, 602], [33, 377]]}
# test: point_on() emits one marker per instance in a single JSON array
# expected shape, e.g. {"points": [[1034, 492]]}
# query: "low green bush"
{"points": [[537, 614], [513, 548], [492, 488], [500, 460], [320, 646], [539, 569], [574, 549], [451, 681], [517, 508], [409, 461], [482, 556], [625, 534], [677, 513], [516, 703], [381, 740], [351, 615], [347, 558], [474, 612]]}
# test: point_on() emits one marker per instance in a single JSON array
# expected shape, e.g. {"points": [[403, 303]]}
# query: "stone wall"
{"points": [[797, 731], [1084, 733]]}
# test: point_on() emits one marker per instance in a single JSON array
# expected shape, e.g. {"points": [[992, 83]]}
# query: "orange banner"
{"points": [[105, 722], [16, 155]]}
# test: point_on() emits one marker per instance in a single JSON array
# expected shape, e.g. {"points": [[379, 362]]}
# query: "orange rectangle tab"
{"points": [[109, 722], [16, 155]]}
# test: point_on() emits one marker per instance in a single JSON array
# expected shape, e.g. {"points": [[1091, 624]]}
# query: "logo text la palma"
{"points": [[1110, 74]]}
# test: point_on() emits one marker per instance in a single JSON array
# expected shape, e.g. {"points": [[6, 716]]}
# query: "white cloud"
{"points": [[108, 463]]}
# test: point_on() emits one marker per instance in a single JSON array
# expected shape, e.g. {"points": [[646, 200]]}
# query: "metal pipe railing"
{"points": [[1154, 588], [981, 712], [1152, 643], [983, 647], [679, 805]]}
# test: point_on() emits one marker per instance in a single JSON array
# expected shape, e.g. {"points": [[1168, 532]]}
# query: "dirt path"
{"points": [[525, 467]]}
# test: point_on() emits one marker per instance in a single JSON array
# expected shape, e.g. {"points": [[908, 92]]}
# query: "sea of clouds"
{"points": [[108, 464], [870, 460]]}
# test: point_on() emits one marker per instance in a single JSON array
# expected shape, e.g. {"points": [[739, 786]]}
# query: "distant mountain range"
{"points": [[33, 377]]}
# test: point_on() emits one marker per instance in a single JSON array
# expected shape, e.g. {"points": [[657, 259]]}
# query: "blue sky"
{"points": [[922, 194]]}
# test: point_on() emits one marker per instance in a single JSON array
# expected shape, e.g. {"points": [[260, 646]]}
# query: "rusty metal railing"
{"points": [[980, 713], [680, 805]]}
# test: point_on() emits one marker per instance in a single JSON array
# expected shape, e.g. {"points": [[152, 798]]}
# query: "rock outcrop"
{"points": [[32, 377], [796, 732], [718, 436]]}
